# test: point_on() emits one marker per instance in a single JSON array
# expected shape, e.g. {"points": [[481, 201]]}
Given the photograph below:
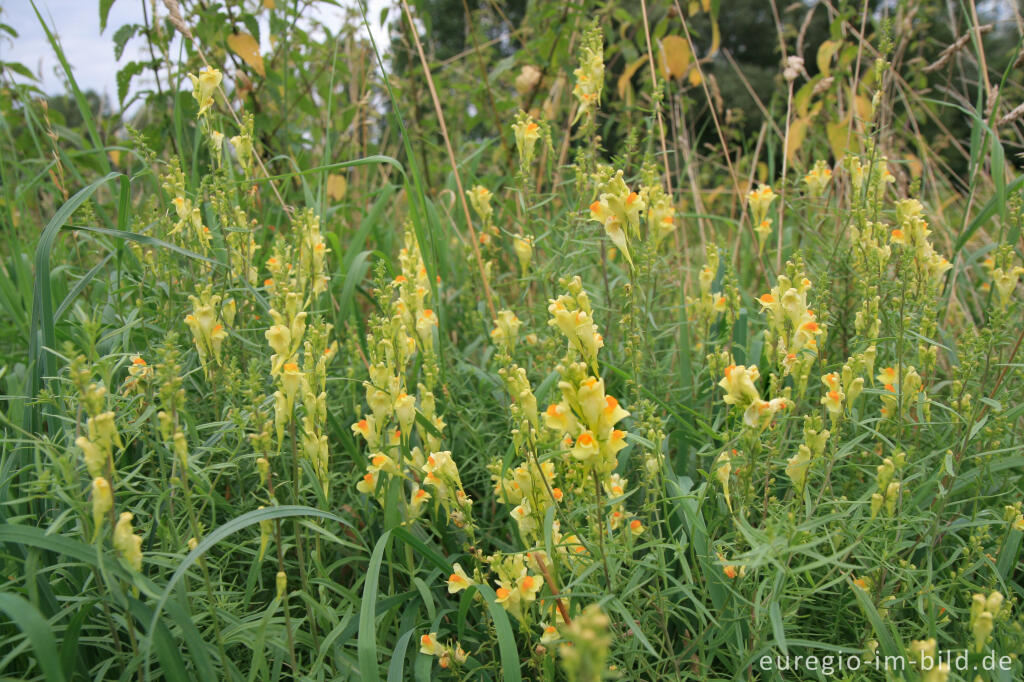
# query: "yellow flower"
{"points": [[127, 543], [1005, 281], [103, 431], [430, 646], [291, 379], [739, 385], [763, 230], [458, 580], [759, 200], [368, 483], [527, 132], [611, 414], [102, 502], [523, 246], [367, 428], [417, 499], [558, 417], [636, 527], [426, 323], [601, 212], [280, 339], [506, 328], [796, 467], [585, 447], [833, 402], [95, 459], [589, 75], [405, 411], [480, 200], [722, 472], [818, 178], [204, 86], [528, 587], [592, 401]]}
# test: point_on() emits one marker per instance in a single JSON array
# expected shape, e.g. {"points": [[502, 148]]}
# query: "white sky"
{"points": [[76, 23]]}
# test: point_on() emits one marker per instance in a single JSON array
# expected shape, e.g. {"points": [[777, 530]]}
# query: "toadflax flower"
{"points": [[203, 87], [458, 580]]}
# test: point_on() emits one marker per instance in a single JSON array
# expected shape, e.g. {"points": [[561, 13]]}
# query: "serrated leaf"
{"points": [[246, 47], [105, 6], [124, 78], [674, 56], [121, 38]]}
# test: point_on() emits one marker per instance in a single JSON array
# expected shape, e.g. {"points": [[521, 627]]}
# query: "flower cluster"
{"points": [[204, 86], [618, 210], [808, 452], [741, 391], [900, 393], [793, 332], [704, 308], [818, 178], [1005, 275], [984, 611], [446, 654], [590, 73], [189, 228], [888, 490], [567, 455], [98, 454], [409, 326], [912, 233], [210, 316], [759, 200]]}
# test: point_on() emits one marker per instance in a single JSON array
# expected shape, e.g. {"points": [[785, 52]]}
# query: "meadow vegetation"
{"points": [[555, 341]]}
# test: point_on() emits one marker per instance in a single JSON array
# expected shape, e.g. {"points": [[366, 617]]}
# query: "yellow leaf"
{"points": [[716, 39], [337, 186], [675, 56], [694, 7], [863, 105], [825, 53], [802, 98], [623, 84], [115, 156], [838, 137], [246, 47], [706, 4], [797, 133], [268, 4], [695, 78]]}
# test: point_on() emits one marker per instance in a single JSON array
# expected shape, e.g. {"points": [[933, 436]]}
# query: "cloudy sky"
{"points": [[91, 54]]}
